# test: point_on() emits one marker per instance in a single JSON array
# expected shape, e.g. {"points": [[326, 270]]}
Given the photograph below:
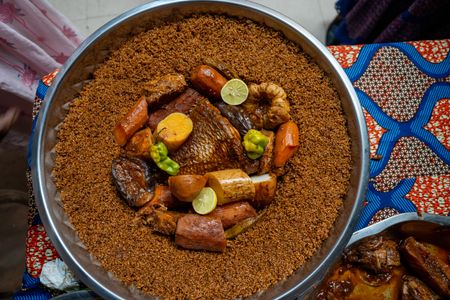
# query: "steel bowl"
{"points": [[429, 228], [77, 72]]}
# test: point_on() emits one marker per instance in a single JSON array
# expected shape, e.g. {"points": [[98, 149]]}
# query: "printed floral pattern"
{"points": [[432, 51], [431, 194], [345, 55], [9, 12], [375, 132], [37, 40], [439, 124], [39, 250]]}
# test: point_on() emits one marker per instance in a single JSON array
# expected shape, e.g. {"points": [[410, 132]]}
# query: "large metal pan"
{"points": [[77, 71]]}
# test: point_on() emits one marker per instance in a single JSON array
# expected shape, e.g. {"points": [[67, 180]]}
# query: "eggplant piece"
{"points": [[427, 266], [163, 89], [414, 289], [232, 213], [133, 181], [163, 221], [375, 254], [237, 116], [223, 68], [336, 290], [200, 233], [183, 104]]}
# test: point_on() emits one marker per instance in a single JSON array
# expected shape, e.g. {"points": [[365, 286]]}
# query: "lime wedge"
{"points": [[205, 202], [234, 92]]}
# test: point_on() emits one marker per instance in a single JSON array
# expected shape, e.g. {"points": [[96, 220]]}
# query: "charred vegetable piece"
{"points": [[186, 187], [233, 213], [162, 198], [223, 68], [254, 143], [200, 233], [286, 143], [183, 104], [266, 160], [231, 185], [140, 143], [163, 221], [132, 179], [240, 227], [164, 89], [375, 254], [174, 130], [136, 117], [208, 81], [159, 153], [336, 290], [428, 267], [265, 188], [414, 289], [237, 116]]}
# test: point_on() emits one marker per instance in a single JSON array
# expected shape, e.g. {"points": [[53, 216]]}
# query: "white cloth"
{"points": [[56, 275]]}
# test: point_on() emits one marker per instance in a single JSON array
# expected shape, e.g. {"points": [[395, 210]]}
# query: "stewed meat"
{"points": [[428, 267], [162, 89], [414, 289], [375, 254], [336, 290]]}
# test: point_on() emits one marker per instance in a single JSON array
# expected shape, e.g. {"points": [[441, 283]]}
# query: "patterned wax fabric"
{"points": [[381, 21], [404, 89]]}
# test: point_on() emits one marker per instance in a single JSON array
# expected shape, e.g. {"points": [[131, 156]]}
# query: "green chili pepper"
{"points": [[254, 143], [170, 166], [159, 153]]}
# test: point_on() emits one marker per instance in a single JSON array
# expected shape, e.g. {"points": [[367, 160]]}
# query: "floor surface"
{"points": [[89, 15]]}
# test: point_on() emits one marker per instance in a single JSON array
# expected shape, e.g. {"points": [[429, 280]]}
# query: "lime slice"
{"points": [[205, 202], [234, 92]]}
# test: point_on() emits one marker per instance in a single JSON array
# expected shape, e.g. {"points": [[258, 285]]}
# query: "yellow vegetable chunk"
{"points": [[174, 130], [231, 185]]}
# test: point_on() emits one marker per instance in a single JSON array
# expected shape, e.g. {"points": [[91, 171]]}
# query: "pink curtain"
{"points": [[34, 40]]}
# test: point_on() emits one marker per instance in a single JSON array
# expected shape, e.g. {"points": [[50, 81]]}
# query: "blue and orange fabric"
{"points": [[404, 90]]}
